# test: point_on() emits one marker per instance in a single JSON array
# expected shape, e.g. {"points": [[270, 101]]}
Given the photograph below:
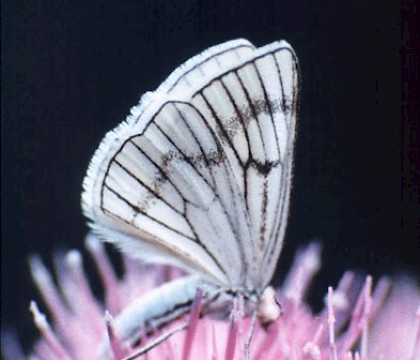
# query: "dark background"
{"points": [[71, 71]]}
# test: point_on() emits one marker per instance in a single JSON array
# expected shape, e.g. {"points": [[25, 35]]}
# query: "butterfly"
{"points": [[199, 176]]}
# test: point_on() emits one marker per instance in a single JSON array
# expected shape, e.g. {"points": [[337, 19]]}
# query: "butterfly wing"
{"points": [[252, 108], [199, 174], [160, 186]]}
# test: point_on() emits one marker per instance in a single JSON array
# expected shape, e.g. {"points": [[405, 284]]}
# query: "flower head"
{"points": [[358, 321]]}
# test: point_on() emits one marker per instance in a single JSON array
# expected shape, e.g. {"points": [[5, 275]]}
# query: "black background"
{"points": [[71, 70]]}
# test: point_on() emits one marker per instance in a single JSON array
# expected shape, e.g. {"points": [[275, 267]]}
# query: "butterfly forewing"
{"points": [[287, 81], [199, 175], [252, 107]]}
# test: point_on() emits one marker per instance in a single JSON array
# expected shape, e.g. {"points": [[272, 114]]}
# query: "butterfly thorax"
{"points": [[263, 302]]}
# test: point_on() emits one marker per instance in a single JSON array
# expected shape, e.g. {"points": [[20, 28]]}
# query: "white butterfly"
{"points": [[199, 176]]}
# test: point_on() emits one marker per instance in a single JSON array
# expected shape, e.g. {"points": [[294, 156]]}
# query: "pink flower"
{"points": [[358, 322]]}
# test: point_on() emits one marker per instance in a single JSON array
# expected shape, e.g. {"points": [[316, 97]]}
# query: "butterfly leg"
{"points": [[250, 334]]}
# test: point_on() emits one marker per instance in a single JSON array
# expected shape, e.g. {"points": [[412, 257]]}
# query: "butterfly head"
{"points": [[268, 307]]}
